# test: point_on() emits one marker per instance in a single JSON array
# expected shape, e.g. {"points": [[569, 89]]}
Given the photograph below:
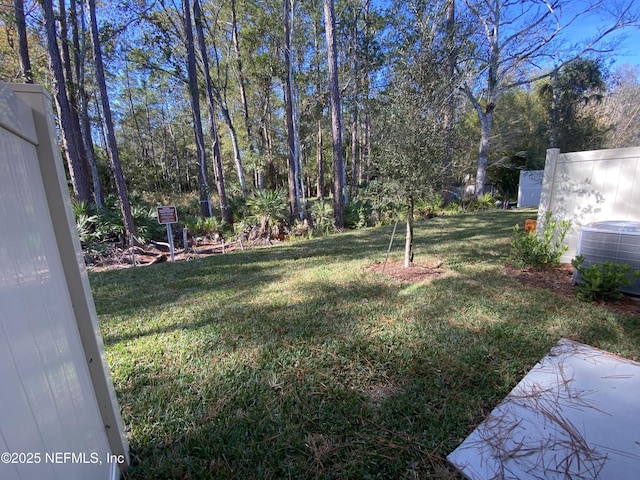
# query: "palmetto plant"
{"points": [[268, 207], [322, 214]]}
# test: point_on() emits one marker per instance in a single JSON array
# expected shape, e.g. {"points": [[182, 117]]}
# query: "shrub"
{"points": [[603, 281], [357, 213], [531, 250], [429, 207], [453, 208], [85, 227], [269, 208], [322, 216], [485, 202], [147, 226], [204, 226], [238, 207]]}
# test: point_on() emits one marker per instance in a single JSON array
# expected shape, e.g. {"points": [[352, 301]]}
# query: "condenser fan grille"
{"points": [[617, 241]]}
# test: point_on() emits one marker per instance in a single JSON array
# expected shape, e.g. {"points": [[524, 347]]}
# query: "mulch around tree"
{"points": [[415, 273]]}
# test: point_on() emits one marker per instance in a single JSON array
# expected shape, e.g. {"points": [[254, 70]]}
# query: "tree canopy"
{"points": [[430, 97]]}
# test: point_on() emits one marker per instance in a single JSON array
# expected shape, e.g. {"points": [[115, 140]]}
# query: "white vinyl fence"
{"points": [[59, 418], [594, 186]]}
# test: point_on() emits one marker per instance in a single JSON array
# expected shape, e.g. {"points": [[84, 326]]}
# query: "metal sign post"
{"points": [[166, 216]]}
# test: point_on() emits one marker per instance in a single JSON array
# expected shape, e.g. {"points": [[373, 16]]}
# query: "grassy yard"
{"points": [[297, 362]]}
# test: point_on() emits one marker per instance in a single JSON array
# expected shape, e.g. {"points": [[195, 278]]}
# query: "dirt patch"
{"points": [[413, 274], [559, 279]]}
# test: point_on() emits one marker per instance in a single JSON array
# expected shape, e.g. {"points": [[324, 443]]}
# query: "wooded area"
{"points": [[373, 107]]}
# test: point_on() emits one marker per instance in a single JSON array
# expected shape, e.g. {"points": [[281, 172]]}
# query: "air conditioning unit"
{"points": [[618, 241]]}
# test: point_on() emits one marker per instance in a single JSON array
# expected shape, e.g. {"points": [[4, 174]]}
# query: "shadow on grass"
{"points": [[295, 362], [467, 238], [357, 380]]}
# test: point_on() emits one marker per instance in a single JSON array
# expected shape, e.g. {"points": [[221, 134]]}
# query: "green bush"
{"points": [[85, 227], [106, 225], [531, 250], [269, 208], [238, 207], [357, 213], [204, 226], [603, 281], [485, 202], [453, 208], [146, 222], [429, 207], [322, 217]]}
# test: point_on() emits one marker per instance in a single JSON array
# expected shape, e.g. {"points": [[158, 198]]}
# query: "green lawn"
{"points": [[296, 362]]}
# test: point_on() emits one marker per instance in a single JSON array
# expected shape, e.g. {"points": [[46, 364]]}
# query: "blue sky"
{"points": [[589, 25], [627, 52]]}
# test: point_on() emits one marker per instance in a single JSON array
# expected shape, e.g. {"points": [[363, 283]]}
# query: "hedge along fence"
{"points": [[593, 186]]}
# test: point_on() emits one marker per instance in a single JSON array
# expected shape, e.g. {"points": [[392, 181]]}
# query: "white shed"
{"points": [[530, 188], [59, 417]]}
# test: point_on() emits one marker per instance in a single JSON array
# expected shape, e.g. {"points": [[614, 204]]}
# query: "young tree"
{"points": [[336, 114], [411, 141]]}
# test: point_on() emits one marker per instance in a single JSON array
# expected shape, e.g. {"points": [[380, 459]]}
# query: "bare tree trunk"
{"points": [[157, 182], [203, 176], [365, 168], [112, 146], [243, 91], [213, 130], [408, 244], [241, 79], [226, 116], [319, 111], [78, 174], [71, 86], [320, 162], [451, 105], [142, 156], [23, 46], [336, 114], [174, 145], [294, 202], [79, 53], [486, 121], [363, 175], [355, 93], [266, 136]]}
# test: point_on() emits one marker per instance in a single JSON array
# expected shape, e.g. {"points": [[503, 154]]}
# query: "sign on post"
{"points": [[166, 216]]}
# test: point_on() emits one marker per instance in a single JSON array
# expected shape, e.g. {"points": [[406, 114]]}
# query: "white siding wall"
{"points": [[592, 186], [48, 401]]}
